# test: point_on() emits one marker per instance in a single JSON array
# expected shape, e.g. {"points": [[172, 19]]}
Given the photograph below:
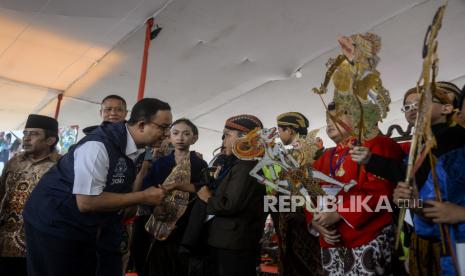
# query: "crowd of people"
{"points": [[131, 195]]}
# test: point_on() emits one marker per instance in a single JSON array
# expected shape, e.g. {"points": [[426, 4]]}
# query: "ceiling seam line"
{"points": [[457, 78], [370, 28], [229, 100], [38, 110], [210, 129], [121, 41], [25, 28], [93, 45], [32, 85], [126, 37], [311, 60]]}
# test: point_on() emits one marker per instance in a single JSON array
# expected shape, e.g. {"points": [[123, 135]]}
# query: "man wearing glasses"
{"points": [[113, 109], [111, 256], [19, 178], [87, 190], [444, 101]]}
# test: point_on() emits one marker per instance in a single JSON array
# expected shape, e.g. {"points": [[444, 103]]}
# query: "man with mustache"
{"points": [[20, 176]]}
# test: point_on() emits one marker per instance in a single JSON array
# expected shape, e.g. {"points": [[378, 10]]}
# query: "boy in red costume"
{"points": [[355, 241], [357, 237]]}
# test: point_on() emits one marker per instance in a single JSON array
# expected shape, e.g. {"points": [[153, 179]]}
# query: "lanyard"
{"points": [[339, 161]]}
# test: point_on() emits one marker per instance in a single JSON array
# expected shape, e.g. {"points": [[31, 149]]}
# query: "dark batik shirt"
{"points": [[20, 176]]}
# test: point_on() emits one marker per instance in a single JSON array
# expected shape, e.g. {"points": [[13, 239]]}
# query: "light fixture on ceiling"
{"points": [[298, 73]]}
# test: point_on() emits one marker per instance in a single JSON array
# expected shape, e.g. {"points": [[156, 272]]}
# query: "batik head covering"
{"points": [[443, 89], [294, 120], [244, 123]]}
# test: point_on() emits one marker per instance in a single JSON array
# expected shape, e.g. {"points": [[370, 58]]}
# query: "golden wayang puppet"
{"points": [[358, 90]]}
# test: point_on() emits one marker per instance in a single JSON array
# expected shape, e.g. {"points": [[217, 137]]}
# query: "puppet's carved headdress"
{"points": [[358, 90]]}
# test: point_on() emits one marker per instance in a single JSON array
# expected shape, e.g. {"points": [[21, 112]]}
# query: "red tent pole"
{"points": [[57, 110], [143, 73]]}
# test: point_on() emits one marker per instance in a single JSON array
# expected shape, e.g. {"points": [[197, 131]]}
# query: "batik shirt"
{"points": [[20, 176]]}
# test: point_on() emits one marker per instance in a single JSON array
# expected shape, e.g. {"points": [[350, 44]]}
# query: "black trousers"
{"points": [[48, 255], [141, 241], [13, 266], [234, 262], [109, 256], [109, 263]]}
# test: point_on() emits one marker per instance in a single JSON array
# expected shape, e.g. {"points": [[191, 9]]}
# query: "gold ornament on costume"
{"points": [[304, 151], [249, 147], [358, 90], [302, 177], [305, 148], [340, 172], [163, 220]]}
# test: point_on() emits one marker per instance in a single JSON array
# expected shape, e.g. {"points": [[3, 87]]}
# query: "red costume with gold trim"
{"points": [[358, 228]]}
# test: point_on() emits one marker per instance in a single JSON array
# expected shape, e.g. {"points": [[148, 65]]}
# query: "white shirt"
{"points": [[91, 163]]}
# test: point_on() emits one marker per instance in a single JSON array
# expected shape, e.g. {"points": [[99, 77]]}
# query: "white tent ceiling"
{"points": [[213, 58]]}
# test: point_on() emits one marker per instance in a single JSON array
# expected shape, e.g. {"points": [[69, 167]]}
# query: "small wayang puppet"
{"points": [[295, 176], [164, 217]]}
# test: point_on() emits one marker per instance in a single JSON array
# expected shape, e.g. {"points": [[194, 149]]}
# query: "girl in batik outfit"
{"points": [[164, 257]]}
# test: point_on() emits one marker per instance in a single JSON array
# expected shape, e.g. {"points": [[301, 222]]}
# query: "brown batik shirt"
{"points": [[20, 176]]}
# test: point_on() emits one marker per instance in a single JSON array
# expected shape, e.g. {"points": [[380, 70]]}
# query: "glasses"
{"points": [[116, 109], [409, 107], [434, 100], [161, 127]]}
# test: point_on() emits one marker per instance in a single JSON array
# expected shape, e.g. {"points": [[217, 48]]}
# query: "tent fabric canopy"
{"points": [[213, 59]]}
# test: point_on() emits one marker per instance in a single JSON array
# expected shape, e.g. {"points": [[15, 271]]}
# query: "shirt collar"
{"points": [[131, 148], [53, 156]]}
